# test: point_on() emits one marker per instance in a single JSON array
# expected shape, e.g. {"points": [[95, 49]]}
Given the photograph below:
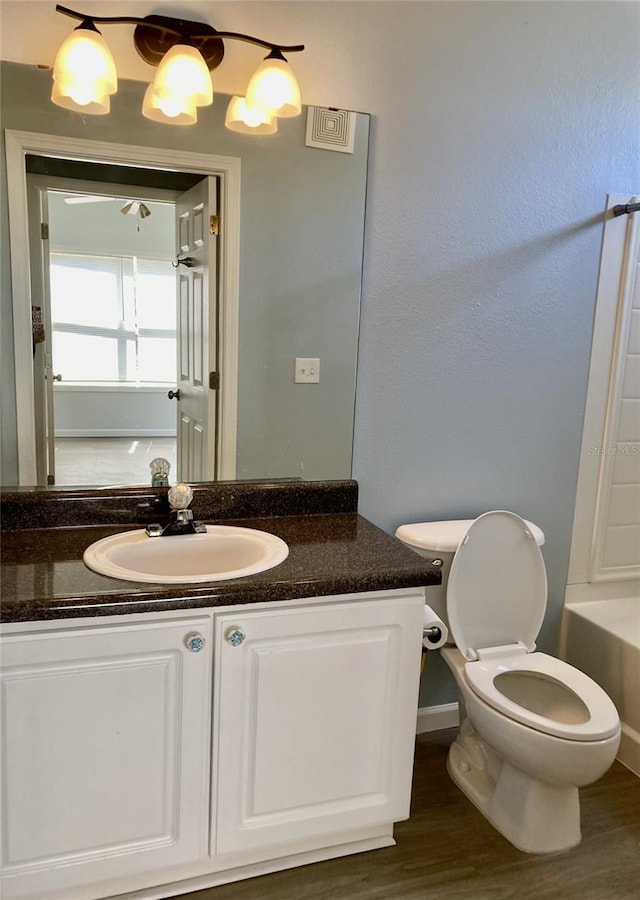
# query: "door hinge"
{"points": [[44, 231], [214, 381], [214, 225]]}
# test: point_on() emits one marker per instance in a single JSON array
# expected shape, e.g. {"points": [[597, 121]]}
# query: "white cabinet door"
{"points": [[105, 755], [316, 721]]}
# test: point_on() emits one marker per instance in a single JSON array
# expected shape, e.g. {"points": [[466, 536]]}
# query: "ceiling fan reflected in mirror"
{"points": [[130, 208], [136, 208], [87, 198]]}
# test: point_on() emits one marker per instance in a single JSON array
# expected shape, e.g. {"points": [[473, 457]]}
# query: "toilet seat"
{"points": [[602, 719], [496, 601], [497, 591]]}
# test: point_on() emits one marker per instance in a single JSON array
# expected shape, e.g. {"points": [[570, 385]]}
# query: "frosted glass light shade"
{"points": [[249, 120], [183, 79], [159, 110], [99, 106], [274, 85], [84, 72]]}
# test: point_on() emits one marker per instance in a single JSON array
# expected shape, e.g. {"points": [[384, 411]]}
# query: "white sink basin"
{"points": [[224, 552]]}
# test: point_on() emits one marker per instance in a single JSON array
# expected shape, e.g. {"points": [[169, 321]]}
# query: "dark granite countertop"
{"points": [[332, 550]]}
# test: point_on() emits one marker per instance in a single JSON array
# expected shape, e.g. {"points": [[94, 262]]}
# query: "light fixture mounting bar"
{"points": [[154, 35]]}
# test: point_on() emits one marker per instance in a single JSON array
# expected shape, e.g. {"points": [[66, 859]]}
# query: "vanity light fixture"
{"points": [[84, 73], [273, 86], [249, 120], [185, 53]]}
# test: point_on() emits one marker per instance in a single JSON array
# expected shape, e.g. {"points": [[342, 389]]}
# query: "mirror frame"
{"points": [[20, 143]]}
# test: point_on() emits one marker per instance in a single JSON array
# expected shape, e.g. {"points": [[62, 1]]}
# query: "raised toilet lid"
{"points": [[497, 591]]}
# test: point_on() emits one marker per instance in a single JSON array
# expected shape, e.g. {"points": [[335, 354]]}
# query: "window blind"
{"points": [[113, 319]]}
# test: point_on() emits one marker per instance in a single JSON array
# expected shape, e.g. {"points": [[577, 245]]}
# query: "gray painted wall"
{"points": [[101, 228], [301, 207], [481, 259], [498, 129], [133, 412]]}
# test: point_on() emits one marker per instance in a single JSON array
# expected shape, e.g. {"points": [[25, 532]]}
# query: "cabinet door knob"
{"points": [[194, 642], [235, 636]]}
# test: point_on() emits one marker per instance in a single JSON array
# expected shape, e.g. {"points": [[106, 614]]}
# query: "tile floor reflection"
{"points": [[100, 461]]}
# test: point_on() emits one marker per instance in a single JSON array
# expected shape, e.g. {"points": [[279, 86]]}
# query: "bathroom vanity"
{"points": [[160, 739]]}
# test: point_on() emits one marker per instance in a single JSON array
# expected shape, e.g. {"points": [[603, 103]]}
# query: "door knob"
{"points": [[174, 395]]}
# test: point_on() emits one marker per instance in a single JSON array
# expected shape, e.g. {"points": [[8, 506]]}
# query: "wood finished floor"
{"points": [[98, 461], [448, 851]]}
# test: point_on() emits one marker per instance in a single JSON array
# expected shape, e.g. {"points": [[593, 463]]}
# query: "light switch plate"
{"points": [[307, 371]]}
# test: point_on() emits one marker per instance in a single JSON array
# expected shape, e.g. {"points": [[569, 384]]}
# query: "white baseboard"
{"points": [[113, 433], [435, 718], [629, 752]]}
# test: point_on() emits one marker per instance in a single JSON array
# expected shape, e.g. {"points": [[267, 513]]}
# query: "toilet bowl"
{"points": [[533, 728]]}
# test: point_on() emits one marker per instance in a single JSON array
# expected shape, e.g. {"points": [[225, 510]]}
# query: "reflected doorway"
{"points": [[120, 321], [107, 355]]}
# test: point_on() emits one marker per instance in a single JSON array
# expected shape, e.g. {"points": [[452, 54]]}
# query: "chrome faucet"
{"points": [[181, 521]]}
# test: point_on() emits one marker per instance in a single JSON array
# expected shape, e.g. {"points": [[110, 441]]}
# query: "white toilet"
{"points": [[533, 728]]}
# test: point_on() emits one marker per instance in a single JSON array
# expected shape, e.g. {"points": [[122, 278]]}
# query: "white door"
{"points": [[43, 373], [105, 756], [197, 290], [316, 722]]}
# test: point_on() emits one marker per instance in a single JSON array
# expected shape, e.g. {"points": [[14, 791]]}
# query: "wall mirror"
{"points": [[288, 266]]}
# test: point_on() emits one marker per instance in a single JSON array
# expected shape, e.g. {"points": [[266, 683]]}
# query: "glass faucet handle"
{"points": [[159, 466], [180, 496]]}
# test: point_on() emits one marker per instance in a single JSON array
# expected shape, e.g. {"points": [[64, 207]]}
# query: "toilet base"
{"points": [[534, 816]]}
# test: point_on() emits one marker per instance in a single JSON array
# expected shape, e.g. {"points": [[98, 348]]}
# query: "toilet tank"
{"points": [[440, 540]]}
